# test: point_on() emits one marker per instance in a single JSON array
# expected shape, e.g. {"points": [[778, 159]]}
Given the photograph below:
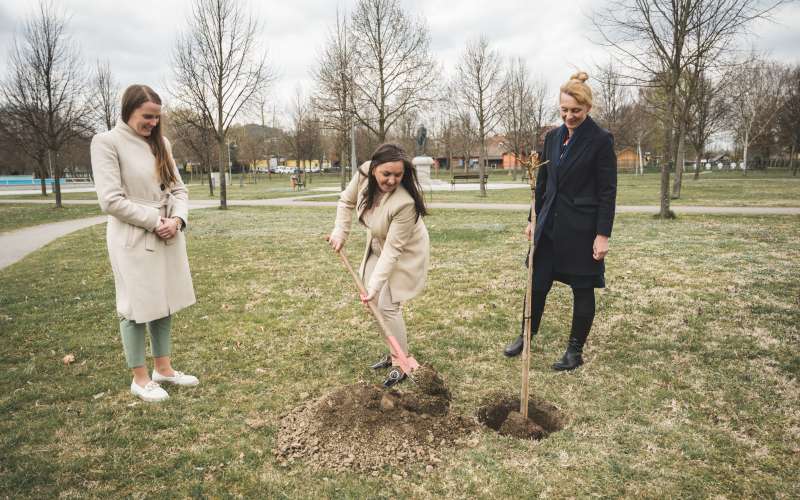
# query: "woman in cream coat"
{"points": [[387, 198], [140, 189]]}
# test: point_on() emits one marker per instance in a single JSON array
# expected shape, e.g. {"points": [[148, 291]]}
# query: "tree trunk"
{"points": [[57, 188], [342, 178], [223, 194], [664, 212], [56, 178], [514, 168], [353, 156], [640, 169], [744, 151], [482, 167], [43, 184], [792, 163], [680, 161], [697, 163]]}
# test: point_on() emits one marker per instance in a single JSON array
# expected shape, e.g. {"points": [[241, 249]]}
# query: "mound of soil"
{"points": [[501, 413], [365, 427]]}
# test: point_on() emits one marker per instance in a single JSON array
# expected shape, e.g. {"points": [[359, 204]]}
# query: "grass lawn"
{"points": [[775, 189], [690, 387], [16, 216], [759, 188], [277, 187]]}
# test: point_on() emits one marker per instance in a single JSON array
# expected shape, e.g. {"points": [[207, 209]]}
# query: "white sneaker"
{"points": [[179, 378], [152, 392]]}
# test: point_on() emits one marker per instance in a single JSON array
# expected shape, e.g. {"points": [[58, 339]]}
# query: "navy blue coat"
{"points": [[576, 195]]}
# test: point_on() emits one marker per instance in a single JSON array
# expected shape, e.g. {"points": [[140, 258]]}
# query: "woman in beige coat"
{"points": [[140, 189], [387, 198]]}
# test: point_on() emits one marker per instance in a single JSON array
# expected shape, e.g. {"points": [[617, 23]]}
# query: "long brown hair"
{"points": [[392, 152], [135, 96]]}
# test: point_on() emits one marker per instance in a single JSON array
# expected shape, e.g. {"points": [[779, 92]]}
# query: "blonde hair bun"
{"points": [[577, 87], [581, 76]]}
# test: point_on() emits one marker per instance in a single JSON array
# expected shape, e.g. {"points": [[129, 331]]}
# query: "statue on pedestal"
{"points": [[422, 138]]}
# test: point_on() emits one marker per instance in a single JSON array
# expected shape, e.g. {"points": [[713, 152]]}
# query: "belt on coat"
{"points": [[376, 247], [165, 206]]}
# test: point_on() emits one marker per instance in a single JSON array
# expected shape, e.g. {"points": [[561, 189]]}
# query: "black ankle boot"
{"points": [[569, 361], [514, 348], [573, 357], [384, 362]]}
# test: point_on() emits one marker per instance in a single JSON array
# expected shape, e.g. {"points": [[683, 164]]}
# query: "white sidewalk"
{"points": [[17, 244]]}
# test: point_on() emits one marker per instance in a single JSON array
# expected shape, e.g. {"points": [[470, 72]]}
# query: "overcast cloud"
{"points": [[553, 37]]}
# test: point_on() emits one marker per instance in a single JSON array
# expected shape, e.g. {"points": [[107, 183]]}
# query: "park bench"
{"points": [[466, 178]]}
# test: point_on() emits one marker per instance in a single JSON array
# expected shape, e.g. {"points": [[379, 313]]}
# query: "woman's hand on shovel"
{"points": [[335, 243], [369, 297]]}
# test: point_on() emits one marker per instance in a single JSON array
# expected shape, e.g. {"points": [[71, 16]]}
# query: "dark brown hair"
{"points": [[387, 153], [132, 99]]}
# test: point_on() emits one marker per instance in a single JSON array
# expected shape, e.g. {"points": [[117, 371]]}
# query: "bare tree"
{"points": [[612, 98], [789, 119], [480, 81], [21, 142], [544, 111], [442, 139], [639, 118], [394, 74], [44, 87], [334, 76], [520, 131], [652, 40], [219, 69], [526, 109], [708, 114], [106, 94], [406, 133], [465, 131], [195, 134], [757, 97], [303, 137]]}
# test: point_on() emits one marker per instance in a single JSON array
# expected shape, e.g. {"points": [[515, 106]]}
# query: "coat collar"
{"points": [[363, 193], [580, 140], [127, 130]]}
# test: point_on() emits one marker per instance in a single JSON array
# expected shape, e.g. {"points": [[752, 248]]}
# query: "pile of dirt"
{"points": [[366, 427], [501, 413]]}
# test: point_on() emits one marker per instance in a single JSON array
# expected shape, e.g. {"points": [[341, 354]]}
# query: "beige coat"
{"points": [[405, 247], [151, 275]]}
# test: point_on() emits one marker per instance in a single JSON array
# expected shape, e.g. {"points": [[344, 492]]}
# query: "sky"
{"points": [[554, 38]]}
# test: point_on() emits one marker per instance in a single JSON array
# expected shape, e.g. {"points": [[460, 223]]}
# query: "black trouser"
{"points": [[583, 309]]}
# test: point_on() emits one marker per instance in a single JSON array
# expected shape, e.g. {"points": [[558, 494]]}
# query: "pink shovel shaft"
{"points": [[407, 363]]}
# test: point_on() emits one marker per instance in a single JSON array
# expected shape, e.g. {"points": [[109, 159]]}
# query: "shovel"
{"points": [[407, 363]]}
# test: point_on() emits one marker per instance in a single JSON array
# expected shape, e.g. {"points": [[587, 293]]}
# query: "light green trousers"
{"points": [[133, 342]]}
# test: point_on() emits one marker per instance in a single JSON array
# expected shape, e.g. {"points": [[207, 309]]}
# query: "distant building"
{"points": [[627, 159]]}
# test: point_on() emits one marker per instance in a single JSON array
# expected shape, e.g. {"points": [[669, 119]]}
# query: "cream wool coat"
{"points": [[405, 246], [151, 275]]}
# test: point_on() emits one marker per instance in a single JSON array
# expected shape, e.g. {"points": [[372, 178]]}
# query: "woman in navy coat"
{"points": [[575, 201]]}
